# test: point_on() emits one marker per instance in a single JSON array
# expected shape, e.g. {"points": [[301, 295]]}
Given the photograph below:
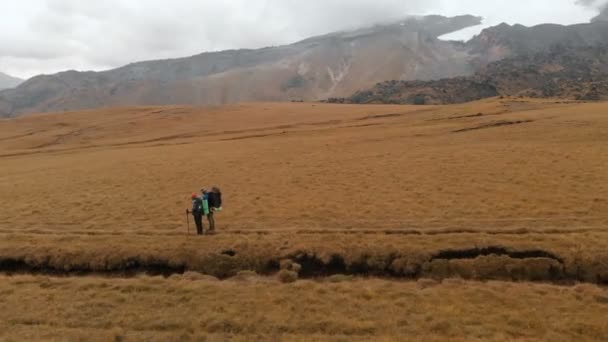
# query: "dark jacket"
{"points": [[197, 206]]}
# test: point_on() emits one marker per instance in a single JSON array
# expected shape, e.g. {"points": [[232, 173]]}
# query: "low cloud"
{"points": [[601, 6], [597, 4], [45, 36], [110, 33]]}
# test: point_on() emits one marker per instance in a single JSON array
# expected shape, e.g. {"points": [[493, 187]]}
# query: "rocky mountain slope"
{"points": [[336, 64], [7, 81], [504, 40], [543, 61]]}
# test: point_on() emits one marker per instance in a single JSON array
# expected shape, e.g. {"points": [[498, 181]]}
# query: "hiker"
{"points": [[214, 204], [197, 213]]}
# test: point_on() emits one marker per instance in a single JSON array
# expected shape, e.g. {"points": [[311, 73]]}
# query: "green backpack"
{"points": [[205, 207]]}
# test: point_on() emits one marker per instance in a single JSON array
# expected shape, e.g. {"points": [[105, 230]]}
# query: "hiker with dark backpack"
{"points": [[197, 212], [214, 202]]}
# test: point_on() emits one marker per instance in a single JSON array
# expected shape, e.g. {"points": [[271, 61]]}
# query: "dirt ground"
{"points": [[505, 189]]}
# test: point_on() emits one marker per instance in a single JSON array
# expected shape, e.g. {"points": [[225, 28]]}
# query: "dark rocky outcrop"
{"points": [[579, 73]]}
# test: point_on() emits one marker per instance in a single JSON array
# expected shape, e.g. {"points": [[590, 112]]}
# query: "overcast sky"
{"points": [[47, 36]]}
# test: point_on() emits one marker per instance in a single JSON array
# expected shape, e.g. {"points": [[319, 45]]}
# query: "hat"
{"points": [[194, 196]]}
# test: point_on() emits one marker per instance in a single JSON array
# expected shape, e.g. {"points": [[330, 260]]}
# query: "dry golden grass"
{"points": [[311, 166], [307, 169], [395, 191], [182, 309]]}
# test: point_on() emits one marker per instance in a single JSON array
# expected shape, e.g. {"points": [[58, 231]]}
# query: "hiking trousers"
{"points": [[211, 220], [198, 219]]}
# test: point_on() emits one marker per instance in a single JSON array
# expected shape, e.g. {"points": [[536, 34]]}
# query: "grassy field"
{"points": [[253, 308], [513, 190], [293, 166]]}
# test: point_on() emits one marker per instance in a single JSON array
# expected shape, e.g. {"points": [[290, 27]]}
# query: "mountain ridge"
{"points": [[336, 64]]}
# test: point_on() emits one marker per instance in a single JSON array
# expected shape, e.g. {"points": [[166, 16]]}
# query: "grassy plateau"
{"points": [[481, 221]]}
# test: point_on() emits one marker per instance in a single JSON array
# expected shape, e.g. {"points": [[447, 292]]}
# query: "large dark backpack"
{"points": [[218, 200], [215, 199]]}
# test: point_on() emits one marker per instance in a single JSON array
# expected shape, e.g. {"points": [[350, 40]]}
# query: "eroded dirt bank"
{"points": [[553, 258]]}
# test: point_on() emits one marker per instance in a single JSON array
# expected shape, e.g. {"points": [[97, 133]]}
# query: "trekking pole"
{"points": [[188, 220]]}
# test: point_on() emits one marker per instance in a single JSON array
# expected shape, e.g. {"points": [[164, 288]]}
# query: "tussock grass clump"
{"points": [[425, 283], [286, 276], [290, 265], [117, 335], [602, 299], [193, 276], [339, 278], [245, 275], [496, 267], [196, 276]]}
